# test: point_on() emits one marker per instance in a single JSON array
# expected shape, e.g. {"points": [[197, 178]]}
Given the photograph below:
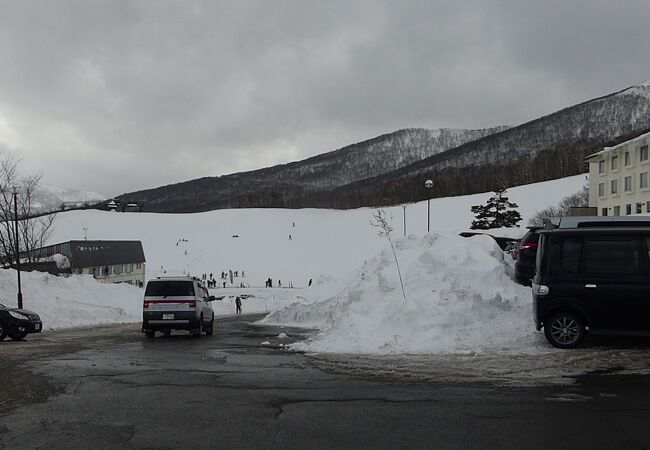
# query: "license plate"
{"points": [[168, 317], [37, 326]]}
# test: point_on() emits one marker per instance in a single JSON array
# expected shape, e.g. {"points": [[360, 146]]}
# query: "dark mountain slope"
{"points": [[552, 146], [285, 185]]}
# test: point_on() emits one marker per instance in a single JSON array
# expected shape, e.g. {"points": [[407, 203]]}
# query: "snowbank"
{"points": [[459, 299], [72, 302]]}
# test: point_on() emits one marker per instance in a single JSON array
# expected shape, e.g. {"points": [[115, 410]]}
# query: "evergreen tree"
{"points": [[496, 213]]}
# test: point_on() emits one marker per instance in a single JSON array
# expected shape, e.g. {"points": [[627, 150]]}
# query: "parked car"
{"points": [[18, 323], [526, 251], [592, 280], [503, 242], [177, 303], [524, 256]]}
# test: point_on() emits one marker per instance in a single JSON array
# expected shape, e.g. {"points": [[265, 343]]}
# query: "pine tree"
{"points": [[496, 213]]}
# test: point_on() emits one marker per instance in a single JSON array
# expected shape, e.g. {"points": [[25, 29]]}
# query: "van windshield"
{"points": [[169, 288]]}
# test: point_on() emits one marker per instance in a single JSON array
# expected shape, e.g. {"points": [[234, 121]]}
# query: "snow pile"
{"points": [[62, 261], [459, 299], [72, 302]]}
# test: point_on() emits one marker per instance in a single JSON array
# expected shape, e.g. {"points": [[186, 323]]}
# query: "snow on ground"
{"points": [[72, 302], [459, 299], [325, 246]]}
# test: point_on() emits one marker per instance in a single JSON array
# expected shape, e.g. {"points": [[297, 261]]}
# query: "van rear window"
{"points": [[170, 288]]}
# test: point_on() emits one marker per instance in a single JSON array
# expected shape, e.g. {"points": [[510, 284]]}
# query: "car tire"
{"points": [[150, 333], [18, 336], [167, 333], [196, 332], [209, 331], [564, 330], [3, 331]]}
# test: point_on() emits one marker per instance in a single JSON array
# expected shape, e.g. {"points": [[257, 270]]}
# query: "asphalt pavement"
{"points": [[110, 387]]}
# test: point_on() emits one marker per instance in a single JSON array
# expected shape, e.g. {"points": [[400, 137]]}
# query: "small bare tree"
{"points": [[579, 199], [33, 232], [384, 230]]}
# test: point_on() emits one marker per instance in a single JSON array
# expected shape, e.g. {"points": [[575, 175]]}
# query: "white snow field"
{"points": [[459, 298]]}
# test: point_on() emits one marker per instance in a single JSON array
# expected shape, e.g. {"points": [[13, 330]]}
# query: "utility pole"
{"points": [[404, 206], [20, 294]]}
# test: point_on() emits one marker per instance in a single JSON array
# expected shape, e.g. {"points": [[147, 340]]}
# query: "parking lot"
{"points": [[109, 387]]}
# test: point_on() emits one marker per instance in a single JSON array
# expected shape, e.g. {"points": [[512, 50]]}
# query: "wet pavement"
{"points": [[110, 387]]}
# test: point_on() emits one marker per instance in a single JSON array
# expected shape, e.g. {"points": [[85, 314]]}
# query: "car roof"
{"points": [[176, 278], [596, 221], [598, 230]]}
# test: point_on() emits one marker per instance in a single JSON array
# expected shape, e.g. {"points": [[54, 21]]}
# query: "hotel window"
{"points": [[647, 206], [638, 207], [643, 180], [617, 210], [614, 162], [628, 184], [601, 189], [643, 153], [614, 186], [603, 211], [628, 209], [628, 159], [601, 166]]}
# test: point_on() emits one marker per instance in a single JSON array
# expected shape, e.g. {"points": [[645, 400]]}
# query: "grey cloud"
{"points": [[130, 95]]}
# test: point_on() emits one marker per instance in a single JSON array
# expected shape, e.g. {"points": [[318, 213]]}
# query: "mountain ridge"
{"points": [[391, 168]]}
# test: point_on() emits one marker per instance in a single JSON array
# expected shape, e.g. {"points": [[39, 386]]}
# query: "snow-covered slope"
{"points": [[328, 242]]}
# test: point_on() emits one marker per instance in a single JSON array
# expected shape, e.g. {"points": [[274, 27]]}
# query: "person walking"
{"points": [[309, 282], [238, 304]]}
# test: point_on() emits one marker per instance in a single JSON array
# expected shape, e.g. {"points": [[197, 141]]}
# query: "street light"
{"points": [[20, 294], [428, 184]]}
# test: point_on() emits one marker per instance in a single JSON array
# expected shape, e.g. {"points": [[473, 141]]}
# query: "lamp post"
{"points": [[428, 184], [20, 294]]}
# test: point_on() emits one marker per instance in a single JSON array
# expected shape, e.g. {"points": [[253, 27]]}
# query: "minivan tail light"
{"points": [[528, 245]]}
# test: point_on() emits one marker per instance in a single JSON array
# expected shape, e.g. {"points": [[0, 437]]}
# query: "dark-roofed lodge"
{"points": [[107, 261]]}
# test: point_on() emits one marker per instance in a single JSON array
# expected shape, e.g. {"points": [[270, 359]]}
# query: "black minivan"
{"points": [[593, 280]]}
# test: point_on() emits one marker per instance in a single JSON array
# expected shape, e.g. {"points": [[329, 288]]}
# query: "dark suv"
{"points": [[592, 279], [525, 256]]}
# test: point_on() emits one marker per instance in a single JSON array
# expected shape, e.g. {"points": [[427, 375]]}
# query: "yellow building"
{"points": [[619, 182]]}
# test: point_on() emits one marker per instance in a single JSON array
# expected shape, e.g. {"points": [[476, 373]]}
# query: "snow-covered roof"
{"points": [[607, 150]]}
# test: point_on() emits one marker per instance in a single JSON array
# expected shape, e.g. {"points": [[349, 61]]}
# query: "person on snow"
{"points": [[238, 304]]}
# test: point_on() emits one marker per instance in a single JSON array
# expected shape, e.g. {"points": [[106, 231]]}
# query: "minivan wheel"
{"points": [[198, 331], [209, 331], [564, 330], [3, 331], [150, 333]]}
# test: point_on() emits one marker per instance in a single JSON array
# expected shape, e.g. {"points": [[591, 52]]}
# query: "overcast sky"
{"points": [[117, 96]]}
